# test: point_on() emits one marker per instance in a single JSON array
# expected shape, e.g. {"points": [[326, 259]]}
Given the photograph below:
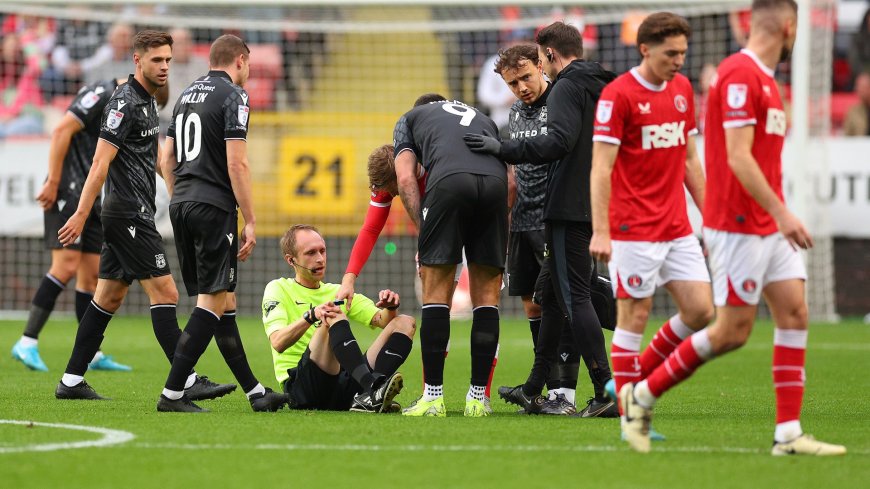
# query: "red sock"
{"points": [[626, 366], [788, 382], [491, 373], [663, 343], [678, 367]]}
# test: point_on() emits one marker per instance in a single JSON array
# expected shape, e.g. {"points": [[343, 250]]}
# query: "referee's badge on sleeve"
{"points": [[605, 110], [243, 114]]}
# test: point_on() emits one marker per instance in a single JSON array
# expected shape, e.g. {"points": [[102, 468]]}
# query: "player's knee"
{"points": [[732, 338], [64, 270], [698, 317], [406, 325]]}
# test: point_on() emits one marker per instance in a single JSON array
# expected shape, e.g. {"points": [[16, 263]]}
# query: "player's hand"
{"points": [[482, 144], [387, 298], [327, 313], [599, 247], [249, 240], [72, 230], [346, 290], [47, 196], [794, 231]]}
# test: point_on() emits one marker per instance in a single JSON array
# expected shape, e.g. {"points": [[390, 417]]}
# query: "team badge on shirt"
{"points": [[114, 119], [737, 95], [243, 114], [90, 100], [681, 104], [605, 110]]}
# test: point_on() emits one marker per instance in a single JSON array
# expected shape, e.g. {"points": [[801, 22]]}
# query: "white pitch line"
{"points": [[110, 437]]}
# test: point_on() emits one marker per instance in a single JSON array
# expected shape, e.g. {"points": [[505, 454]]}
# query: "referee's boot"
{"points": [[180, 405], [269, 401], [204, 389], [82, 391], [380, 398]]}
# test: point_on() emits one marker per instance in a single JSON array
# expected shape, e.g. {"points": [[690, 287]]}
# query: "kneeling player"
{"points": [[316, 356]]}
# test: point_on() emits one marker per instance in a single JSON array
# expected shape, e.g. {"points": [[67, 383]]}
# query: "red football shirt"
{"points": [[744, 93], [651, 124]]}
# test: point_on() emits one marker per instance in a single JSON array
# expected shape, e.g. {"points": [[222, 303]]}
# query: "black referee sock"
{"points": [[191, 345], [229, 342], [89, 336], [434, 336], [164, 321], [535, 328], [42, 305], [484, 342], [83, 300], [347, 352], [393, 354], [568, 363]]}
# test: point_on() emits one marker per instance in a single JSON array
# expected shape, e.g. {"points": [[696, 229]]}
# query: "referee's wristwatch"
{"points": [[311, 318]]}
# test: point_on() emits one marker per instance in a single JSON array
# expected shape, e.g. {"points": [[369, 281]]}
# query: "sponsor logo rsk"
{"points": [[666, 135]]}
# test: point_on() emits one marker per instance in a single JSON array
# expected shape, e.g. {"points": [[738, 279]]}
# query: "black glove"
{"points": [[482, 144]]}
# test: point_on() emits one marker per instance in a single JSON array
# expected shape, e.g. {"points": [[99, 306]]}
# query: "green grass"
{"points": [[719, 425]]}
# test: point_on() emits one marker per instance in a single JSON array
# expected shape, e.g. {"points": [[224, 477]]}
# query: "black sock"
{"points": [[568, 363], [484, 342], [165, 324], [434, 335], [89, 336], [191, 345], [347, 352], [230, 344], [83, 300], [535, 327], [393, 354], [42, 305]]}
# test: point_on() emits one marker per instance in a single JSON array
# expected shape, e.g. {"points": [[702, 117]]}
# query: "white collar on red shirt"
{"points": [[649, 86], [754, 57]]}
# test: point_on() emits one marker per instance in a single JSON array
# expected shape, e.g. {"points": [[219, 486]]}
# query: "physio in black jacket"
{"points": [[567, 213]]}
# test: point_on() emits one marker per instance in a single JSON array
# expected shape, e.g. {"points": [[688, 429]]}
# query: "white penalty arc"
{"points": [[110, 437]]}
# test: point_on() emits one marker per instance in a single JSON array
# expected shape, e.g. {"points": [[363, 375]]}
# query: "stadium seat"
{"points": [[262, 93], [266, 61]]}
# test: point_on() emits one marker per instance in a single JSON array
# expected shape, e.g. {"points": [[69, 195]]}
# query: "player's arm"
{"points": [[694, 179], [61, 137], [375, 220], [738, 144], [167, 164], [103, 157], [603, 160], [409, 191], [240, 178], [388, 302]]}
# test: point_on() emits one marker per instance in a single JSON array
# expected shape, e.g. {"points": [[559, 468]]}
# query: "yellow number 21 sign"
{"points": [[317, 176]]}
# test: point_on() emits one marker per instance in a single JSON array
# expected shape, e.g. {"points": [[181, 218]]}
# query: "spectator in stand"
{"points": [[75, 52], [112, 58], [859, 51], [186, 67], [857, 122], [20, 97]]}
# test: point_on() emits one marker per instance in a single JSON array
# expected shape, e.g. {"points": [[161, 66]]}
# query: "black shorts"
{"points": [[91, 240], [467, 210], [312, 388], [206, 238], [525, 257], [133, 250]]}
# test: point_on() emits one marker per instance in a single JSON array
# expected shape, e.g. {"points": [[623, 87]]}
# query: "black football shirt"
{"points": [[529, 121]]}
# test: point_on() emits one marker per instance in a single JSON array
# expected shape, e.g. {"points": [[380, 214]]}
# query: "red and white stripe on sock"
{"points": [[625, 357], [492, 370], [665, 341], [789, 357], [681, 363]]}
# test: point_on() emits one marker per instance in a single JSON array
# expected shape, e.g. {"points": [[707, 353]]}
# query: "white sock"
{"points": [[475, 392], [681, 329], [432, 392], [568, 393], [258, 389], [788, 431], [643, 395], [97, 356], [172, 395], [71, 380], [191, 379], [551, 394], [28, 341]]}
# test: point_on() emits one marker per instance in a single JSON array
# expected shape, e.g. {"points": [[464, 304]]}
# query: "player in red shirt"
{"points": [[643, 154], [752, 237]]}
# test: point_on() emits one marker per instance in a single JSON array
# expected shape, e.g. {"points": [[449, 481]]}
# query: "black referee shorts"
{"points": [[91, 240], [467, 210], [208, 245], [312, 388], [525, 258], [133, 250]]}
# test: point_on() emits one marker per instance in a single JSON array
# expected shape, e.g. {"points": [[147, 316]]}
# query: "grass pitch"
{"points": [[719, 425]]}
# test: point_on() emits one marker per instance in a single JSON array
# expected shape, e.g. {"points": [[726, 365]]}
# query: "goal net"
{"points": [[328, 81]]}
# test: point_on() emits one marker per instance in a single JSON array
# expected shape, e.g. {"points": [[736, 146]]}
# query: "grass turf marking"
{"points": [[110, 437]]}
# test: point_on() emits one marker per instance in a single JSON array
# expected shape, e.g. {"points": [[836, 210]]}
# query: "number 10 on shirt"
{"points": [[317, 176]]}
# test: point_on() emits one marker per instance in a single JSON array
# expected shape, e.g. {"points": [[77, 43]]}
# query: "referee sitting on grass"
{"points": [[317, 358]]}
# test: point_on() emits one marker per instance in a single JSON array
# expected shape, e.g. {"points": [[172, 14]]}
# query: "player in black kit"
{"points": [[205, 165], [132, 248], [465, 204], [69, 159], [567, 148]]}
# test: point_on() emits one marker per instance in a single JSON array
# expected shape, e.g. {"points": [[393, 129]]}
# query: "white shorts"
{"points": [[638, 267], [743, 264]]}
